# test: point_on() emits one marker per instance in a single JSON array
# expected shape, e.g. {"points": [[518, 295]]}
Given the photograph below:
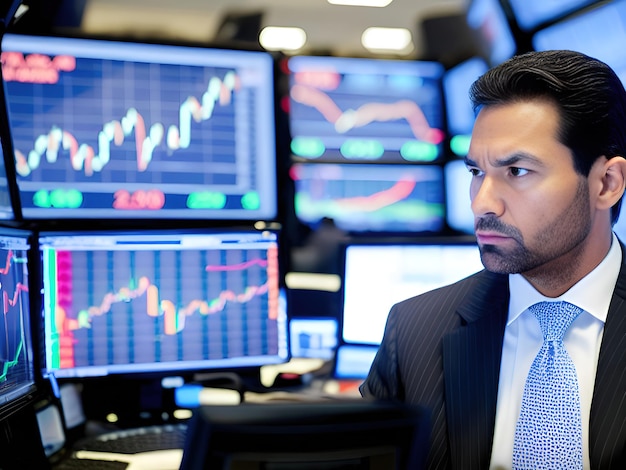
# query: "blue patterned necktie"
{"points": [[549, 430]]}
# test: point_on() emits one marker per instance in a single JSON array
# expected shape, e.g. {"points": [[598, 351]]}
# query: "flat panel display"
{"points": [[6, 207], [459, 215], [459, 110], [530, 14], [488, 19], [370, 197], [599, 32], [121, 130], [376, 276], [365, 110], [17, 373], [161, 301]]}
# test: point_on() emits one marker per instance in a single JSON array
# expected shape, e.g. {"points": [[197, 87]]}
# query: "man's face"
{"points": [[531, 209]]}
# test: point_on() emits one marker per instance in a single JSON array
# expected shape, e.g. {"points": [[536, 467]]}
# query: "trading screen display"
{"points": [[365, 110], [154, 302], [459, 109], [370, 197], [6, 208], [489, 20], [108, 129], [376, 276], [530, 14], [16, 354], [599, 32]]}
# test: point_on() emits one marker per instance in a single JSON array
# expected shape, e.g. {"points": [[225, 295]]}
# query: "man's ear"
{"points": [[612, 177]]}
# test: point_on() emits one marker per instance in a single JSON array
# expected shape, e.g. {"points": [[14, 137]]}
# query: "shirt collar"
{"points": [[601, 281]]}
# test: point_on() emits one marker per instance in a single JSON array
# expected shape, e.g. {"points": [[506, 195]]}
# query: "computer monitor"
{"points": [[459, 215], [342, 434], [313, 337], [530, 14], [161, 303], [459, 110], [17, 364], [489, 20], [365, 110], [6, 206], [376, 275], [108, 129], [598, 31], [363, 198]]}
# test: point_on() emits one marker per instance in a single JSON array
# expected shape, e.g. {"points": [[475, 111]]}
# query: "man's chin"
{"points": [[497, 263]]}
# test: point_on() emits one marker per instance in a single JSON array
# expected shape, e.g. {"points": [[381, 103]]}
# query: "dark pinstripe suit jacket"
{"points": [[442, 349]]}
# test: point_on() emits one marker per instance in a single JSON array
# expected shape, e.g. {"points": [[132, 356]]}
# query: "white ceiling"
{"points": [[328, 27]]}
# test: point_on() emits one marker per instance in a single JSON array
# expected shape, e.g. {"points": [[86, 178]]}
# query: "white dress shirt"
{"points": [[523, 339]]}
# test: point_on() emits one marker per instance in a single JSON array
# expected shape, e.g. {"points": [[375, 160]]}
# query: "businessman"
{"points": [[523, 365]]}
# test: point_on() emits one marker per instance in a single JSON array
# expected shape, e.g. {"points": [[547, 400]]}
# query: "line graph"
{"points": [[163, 305], [349, 109], [380, 198], [367, 113], [15, 302]]}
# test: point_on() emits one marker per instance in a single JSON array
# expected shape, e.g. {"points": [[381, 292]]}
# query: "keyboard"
{"points": [[148, 447]]}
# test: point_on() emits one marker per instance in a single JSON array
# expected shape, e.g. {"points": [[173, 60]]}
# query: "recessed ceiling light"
{"points": [[282, 38], [361, 3], [377, 39]]}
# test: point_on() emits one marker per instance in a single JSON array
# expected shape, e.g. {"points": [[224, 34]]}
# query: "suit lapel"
{"points": [[607, 433], [471, 356]]}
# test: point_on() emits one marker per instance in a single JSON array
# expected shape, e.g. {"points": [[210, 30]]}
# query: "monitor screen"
{"points": [[314, 337], [342, 434], [370, 197], [376, 276], [459, 215], [161, 301], [17, 375], [6, 209], [599, 32], [459, 110], [120, 130], [365, 110], [531, 13], [488, 19]]}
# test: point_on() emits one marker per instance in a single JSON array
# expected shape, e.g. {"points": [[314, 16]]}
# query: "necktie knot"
{"points": [[555, 318]]}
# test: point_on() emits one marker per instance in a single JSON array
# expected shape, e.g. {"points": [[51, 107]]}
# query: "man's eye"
{"points": [[518, 171], [474, 171]]}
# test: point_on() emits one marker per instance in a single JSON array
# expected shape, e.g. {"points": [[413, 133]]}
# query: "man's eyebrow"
{"points": [[509, 160]]}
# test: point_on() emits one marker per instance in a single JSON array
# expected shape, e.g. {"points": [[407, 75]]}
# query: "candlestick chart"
{"points": [[98, 136], [154, 306]]}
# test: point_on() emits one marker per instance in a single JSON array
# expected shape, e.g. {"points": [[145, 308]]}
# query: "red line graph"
{"points": [[10, 301], [237, 267], [367, 113], [399, 191]]}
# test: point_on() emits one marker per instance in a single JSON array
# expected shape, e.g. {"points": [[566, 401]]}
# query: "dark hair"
{"points": [[589, 95]]}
